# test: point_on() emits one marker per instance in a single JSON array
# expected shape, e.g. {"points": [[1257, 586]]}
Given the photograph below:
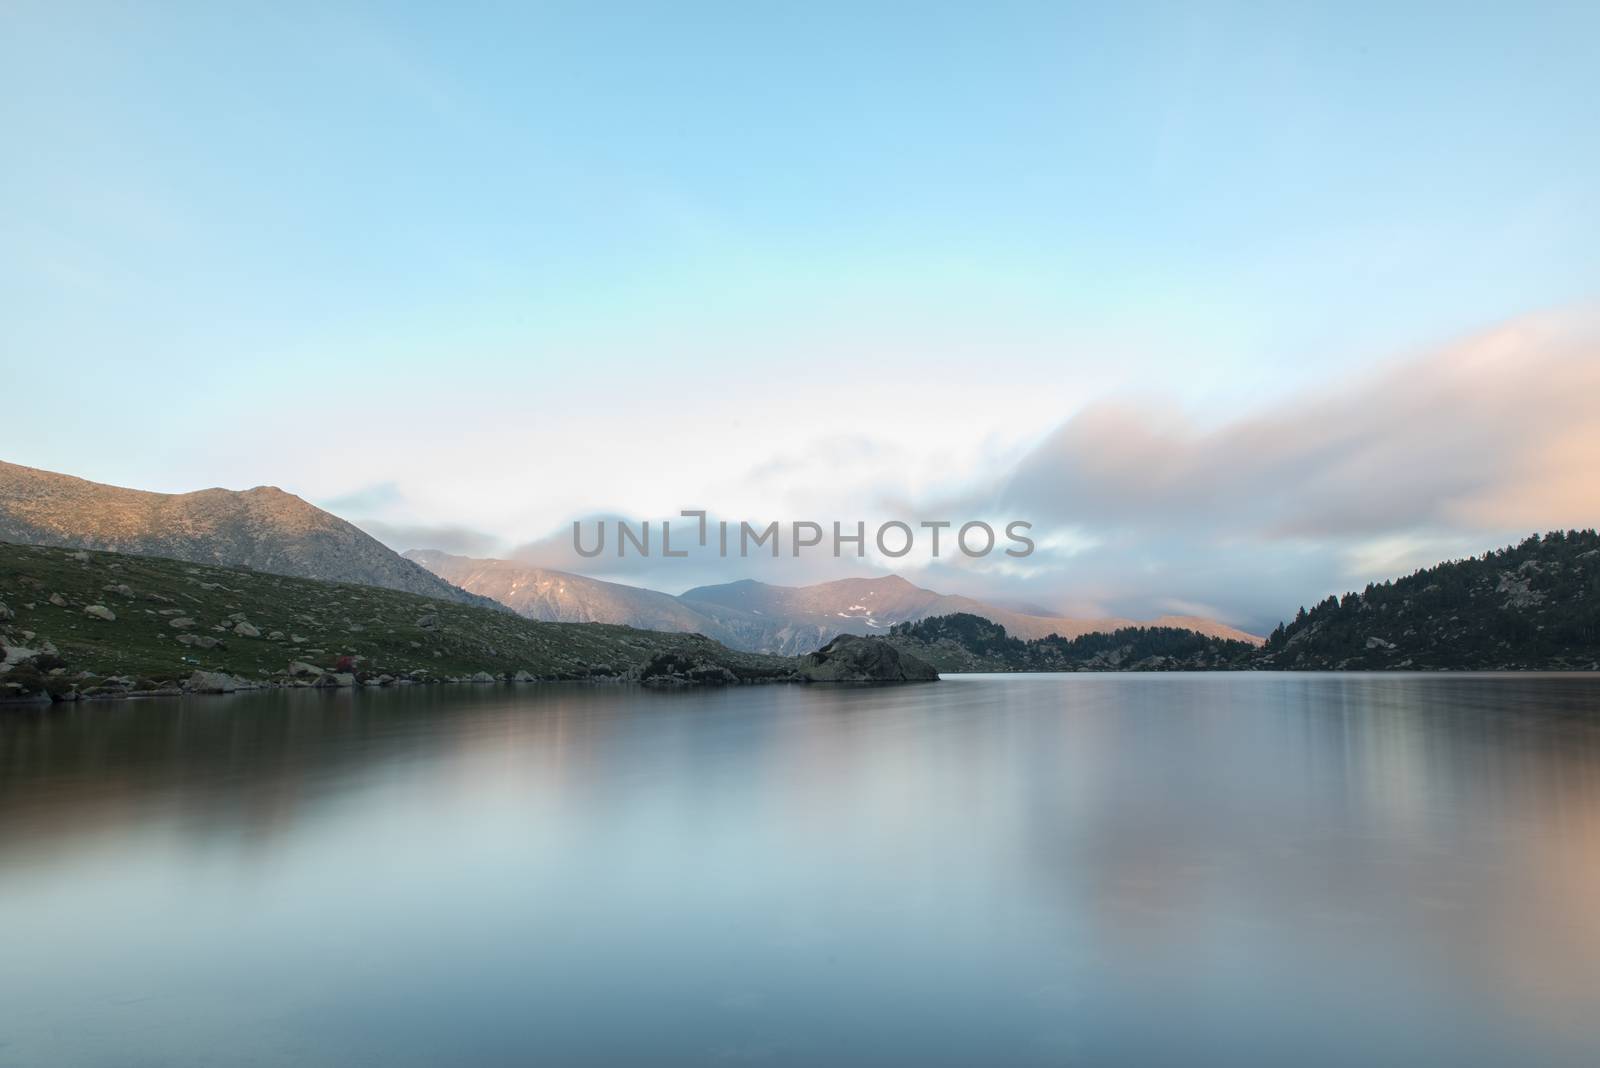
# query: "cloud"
{"points": [[1498, 432], [1141, 508], [704, 565], [1436, 456], [377, 497], [462, 541], [398, 529]]}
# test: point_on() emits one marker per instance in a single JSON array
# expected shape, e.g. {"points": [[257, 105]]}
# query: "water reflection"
{"points": [[1035, 870]]}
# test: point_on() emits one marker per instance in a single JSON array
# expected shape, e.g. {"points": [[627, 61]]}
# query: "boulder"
{"points": [[428, 621], [120, 589], [673, 668], [334, 679], [58, 600], [211, 682], [300, 669], [180, 622], [245, 630], [481, 676], [850, 658], [100, 611], [16, 654], [198, 641]]}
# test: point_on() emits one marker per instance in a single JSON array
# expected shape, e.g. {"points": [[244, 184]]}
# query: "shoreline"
{"points": [[238, 685]]}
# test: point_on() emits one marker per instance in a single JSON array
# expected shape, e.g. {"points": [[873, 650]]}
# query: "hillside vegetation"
{"points": [[964, 642], [1532, 605], [77, 622]]}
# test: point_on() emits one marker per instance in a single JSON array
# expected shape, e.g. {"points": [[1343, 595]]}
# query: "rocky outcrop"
{"points": [[673, 668], [198, 641], [849, 658]]}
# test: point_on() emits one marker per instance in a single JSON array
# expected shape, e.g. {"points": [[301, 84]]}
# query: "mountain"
{"points": [[797, 617], [753, 615], [263, 528], [75, 623], [866, 606], [1211, 628], [562, 597], [1535, 605]]}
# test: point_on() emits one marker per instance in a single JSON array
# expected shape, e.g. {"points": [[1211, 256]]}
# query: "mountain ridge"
{"points": [[757, 616], [264, 528]]}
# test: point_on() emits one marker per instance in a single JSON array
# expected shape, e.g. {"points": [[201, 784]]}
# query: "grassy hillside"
{"points": [[153, 622]]}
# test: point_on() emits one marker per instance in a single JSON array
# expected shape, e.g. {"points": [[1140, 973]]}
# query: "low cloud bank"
{"points": [[1498, 432], [1140, 510], [1442, 455]]}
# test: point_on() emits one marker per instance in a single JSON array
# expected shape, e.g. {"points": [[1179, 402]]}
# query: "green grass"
{"points": [[384, 628]]}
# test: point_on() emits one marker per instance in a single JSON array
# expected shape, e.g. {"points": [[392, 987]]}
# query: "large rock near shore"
{"points": [[849, 658], [674, 668], [212, 682]]}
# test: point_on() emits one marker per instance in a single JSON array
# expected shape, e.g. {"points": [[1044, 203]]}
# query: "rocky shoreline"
{"points": [[847, 659]]}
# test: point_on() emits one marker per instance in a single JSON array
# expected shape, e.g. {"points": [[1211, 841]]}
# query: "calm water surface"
{"points": [[1051, 870]]}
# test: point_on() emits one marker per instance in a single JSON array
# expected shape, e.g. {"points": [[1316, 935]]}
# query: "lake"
{"points": [[992, 870]]}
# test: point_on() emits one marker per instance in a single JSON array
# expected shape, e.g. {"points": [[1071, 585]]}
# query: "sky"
{"points": [[1238, 306]]}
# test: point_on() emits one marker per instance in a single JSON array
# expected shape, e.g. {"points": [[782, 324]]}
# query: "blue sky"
{"points": [[515, 263]]}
